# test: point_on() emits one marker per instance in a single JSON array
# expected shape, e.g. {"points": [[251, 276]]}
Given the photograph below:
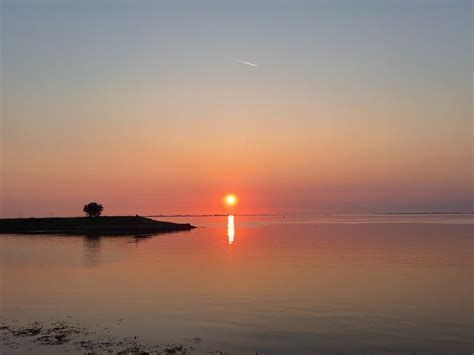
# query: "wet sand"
{"points": [[68, 336]]}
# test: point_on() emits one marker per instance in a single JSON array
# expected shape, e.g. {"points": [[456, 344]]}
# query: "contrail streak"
{"points": [[244, 62]]}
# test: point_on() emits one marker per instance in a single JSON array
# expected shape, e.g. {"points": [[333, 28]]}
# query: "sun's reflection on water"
{"points": [[230, 228]]}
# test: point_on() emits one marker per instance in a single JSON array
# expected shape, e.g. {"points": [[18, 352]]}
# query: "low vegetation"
{"points": [[103, 224]]}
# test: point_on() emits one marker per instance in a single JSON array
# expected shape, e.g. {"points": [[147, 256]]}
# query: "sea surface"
{"points": [[257, 284]]}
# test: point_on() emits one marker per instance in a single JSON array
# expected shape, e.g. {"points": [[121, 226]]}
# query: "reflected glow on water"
{"points": [[294, 285], [230, 228]]}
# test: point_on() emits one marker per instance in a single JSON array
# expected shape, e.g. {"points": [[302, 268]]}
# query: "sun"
{"points": [[230, 199]]}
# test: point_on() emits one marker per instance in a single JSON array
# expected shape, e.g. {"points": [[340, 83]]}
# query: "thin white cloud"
{"points": [[247, 63]]}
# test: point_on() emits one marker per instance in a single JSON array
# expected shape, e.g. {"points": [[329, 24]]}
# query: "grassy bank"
{"points": [[89, 225]]}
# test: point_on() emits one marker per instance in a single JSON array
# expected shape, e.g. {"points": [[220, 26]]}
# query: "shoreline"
{"points": [[107, 225], [66, 335]]}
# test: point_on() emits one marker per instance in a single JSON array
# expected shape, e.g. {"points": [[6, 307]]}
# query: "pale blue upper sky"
{"points": [[391, 80]]}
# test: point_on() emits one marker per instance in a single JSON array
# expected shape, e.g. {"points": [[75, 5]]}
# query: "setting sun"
{"points": [[231, 200]]}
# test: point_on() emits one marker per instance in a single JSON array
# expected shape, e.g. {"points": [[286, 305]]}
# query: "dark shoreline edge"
{"points": [[68, 335], [104, 225]]}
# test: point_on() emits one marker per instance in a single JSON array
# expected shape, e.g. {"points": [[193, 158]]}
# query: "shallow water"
{"points": [[276, 285]]}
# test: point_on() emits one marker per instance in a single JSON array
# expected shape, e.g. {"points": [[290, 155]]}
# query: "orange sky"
{"points": [[351, 108]]}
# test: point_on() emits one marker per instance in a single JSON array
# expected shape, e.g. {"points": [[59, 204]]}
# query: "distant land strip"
{"points": [[212, 215], [388, 213], [306, 214]]}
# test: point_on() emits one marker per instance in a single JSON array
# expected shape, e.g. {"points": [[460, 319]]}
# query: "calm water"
{"points": [[300, 284]]}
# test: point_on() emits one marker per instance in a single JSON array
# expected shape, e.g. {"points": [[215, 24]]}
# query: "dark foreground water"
{"points": [[273, 285]]}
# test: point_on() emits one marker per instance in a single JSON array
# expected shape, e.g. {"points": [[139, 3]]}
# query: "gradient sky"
{"points": [[140, 105]]}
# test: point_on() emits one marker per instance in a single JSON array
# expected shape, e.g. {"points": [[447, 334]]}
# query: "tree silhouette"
{"points": [[93, 209]]}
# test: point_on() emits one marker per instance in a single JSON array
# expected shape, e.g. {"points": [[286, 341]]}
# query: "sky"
{"points": [[148, 108]]}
